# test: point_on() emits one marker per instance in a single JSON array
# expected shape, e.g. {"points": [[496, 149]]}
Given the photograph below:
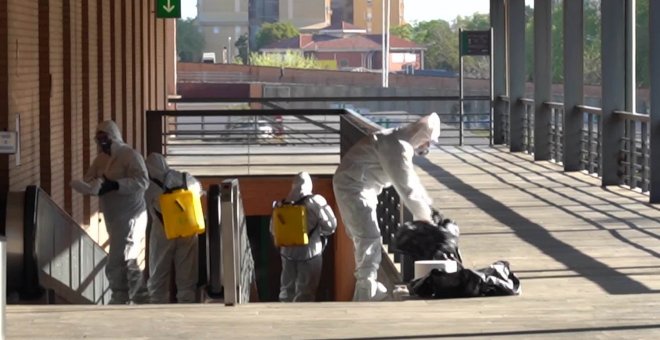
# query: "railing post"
{"points": [[613, 54], [542, 78], [573, 84], [407, 263], [498, 23], [654, 34], [229, 247], [154, 131], [516, 34]]}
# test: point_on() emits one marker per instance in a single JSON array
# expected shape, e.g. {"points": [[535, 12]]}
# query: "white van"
{"points": [[208, 57]]}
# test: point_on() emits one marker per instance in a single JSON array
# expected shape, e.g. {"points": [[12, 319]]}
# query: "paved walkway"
{"points": [[588, 259]]}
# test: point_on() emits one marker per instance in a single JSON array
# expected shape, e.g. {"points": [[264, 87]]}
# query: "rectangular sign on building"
{"points": [[168, 9], [475, 43]]}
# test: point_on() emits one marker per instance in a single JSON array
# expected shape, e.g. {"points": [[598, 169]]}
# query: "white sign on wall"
{"points": [[8, 142]]}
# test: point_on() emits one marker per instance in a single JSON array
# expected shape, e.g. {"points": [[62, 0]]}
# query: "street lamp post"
{"points": [[385, 35], [229, 51]]}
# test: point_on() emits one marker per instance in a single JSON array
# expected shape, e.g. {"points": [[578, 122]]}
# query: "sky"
{"points": [[414, 10]]}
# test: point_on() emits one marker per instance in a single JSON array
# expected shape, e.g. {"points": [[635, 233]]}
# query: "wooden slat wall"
{"points": [[66, 65], [75, 126], [4, 84], [54, 134], [23, 87]]}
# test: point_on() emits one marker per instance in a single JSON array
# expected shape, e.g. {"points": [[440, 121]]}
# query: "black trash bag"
{"points": [[496, 280], [439, 284], [425, 241]]}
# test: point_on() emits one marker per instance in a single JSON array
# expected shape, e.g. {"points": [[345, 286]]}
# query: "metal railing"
{"points": [[634, 151], [50, 253], [471, 127], [591, 139], [556, 131], [505, 123], [528, 125], [235, 142], [237, 262]]}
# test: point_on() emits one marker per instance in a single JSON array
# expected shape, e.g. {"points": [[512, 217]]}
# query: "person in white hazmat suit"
{"points": [[379, 160], [302, 265], [182, 251], [120, 176]]}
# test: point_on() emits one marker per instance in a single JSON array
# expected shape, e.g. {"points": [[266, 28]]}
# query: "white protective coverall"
{"points": [[124, 212], [377, 161], [182, 251], [302, 265]]}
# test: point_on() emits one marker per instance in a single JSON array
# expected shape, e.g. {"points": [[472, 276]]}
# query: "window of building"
{"points": [[216, 30]]}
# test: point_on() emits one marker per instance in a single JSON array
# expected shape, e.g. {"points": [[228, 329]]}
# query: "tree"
{"points": [[592, 43], [404, 31], [441, 43], [242, 48], [271, 32], [476, 22], [189, 40], [642, 41]]}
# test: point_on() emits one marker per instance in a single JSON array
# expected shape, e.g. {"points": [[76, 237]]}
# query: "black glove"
{"points": [[436, 216], [107, 186]]}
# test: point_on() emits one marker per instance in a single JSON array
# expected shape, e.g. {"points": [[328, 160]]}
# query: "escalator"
{"points": [[50, 258]]}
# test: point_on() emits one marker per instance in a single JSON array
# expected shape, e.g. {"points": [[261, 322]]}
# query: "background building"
{"points": [[223, 21], [348, 47], [368, 14]]}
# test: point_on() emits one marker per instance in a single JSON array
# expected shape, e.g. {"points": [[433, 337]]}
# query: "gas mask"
{"points": [[423, 149], [104, 142]]}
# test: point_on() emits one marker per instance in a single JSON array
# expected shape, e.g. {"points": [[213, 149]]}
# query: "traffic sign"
{"points": [[167, 9]]}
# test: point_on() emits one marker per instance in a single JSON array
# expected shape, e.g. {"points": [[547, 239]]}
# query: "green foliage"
{"points": [[476, 22], [441, 42], [189, 40], [642, 41], [289, 60], [592, 42], [271, 32], [242, 48], [404, 31]]}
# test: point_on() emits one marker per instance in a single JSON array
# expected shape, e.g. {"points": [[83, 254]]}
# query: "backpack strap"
{"points": [[184, 181], [159, 183], [300, 201], [167, 190]]}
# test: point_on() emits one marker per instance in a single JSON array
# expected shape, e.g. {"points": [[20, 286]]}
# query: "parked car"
{"points": [[249, 130]]}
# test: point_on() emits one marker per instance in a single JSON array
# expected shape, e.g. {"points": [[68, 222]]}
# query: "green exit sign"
{"points": [[168, 9]]}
